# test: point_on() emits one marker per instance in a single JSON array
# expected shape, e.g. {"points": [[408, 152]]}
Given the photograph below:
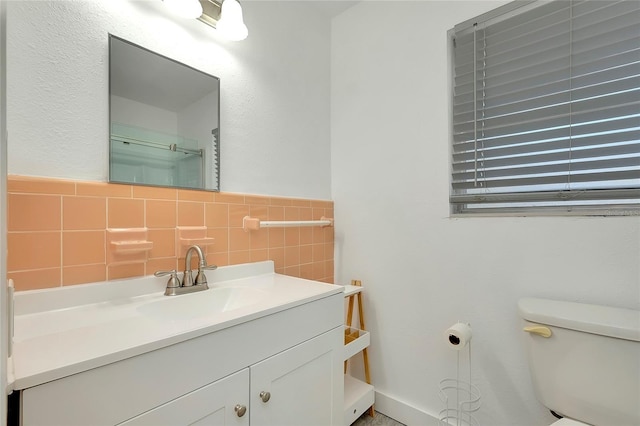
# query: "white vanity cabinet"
{"points": [[291, 388], [294, 354]]}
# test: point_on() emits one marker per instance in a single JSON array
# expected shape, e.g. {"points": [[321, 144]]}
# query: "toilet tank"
{"points": [[588, 369]]}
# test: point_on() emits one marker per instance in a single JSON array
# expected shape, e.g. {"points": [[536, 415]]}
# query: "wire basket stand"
{"points": [[460, 397]]}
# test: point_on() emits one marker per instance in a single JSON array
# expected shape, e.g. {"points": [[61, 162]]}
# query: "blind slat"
{"points": [[496, 133], [565, 166], [543, 78], [595, 97], [614, 194], [554, 179], [468, 163]]}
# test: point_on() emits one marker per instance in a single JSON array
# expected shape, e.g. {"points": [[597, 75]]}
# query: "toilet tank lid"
{"points": [[604, 320]]}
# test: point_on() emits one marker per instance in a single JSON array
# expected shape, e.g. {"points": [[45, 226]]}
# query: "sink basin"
{"points": [[203, 303]]}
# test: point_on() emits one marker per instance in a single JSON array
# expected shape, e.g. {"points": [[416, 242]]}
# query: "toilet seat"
{"points": [[568, 422]]}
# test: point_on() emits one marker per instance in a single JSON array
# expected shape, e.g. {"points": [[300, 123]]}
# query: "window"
{"points": [[546, 109]]}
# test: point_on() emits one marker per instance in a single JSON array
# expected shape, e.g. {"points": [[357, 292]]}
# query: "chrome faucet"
{"points": [[189, 284], [201, 279]]}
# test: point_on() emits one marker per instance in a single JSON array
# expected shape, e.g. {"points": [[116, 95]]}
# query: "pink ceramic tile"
{"points": [[236, 214], [84, 274], [216, 215], [190, 213], [33, 212], [154, 193], [239, 240], [84, 213], [125, 213], [33, 250], [102, 189], [37, 185], [130, 270], [35, 279], [83, 247], [238, 257], [160, 213], [194, 195]]}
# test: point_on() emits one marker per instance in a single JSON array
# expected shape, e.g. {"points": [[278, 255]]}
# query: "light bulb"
{"points": [[188, 9], [231, 23]]}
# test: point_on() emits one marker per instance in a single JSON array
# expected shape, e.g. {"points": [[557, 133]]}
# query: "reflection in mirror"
{"points": [[164, 120]]}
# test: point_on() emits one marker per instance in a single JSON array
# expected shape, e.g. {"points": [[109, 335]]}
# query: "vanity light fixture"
{"points": [[188, 9], [226, 17], [223, 15], [231, 23]]}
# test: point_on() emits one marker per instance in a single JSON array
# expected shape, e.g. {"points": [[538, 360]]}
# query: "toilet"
{"points": [[584, 361]]}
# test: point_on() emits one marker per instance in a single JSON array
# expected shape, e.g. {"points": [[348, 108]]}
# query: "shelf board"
{"points": [[350, 290], [355, 340], [358, 397]]}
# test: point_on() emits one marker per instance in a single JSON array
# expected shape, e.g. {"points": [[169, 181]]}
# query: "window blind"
{"points": [[546, 108]]}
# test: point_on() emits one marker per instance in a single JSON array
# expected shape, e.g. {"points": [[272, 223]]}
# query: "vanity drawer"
{"points": [[212, 404]]}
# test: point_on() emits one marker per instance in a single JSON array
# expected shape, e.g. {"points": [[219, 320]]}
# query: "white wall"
{"points": [[422, 270], [274, 89]]}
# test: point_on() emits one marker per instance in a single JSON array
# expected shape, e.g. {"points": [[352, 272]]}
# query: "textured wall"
{"points": [[274, 89], [423, 271]]}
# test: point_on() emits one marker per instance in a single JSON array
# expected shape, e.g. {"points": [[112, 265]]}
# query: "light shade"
{"points": [[231, 24], [189, 9]]}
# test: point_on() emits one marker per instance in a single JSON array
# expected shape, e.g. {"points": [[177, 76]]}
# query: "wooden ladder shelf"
{"points": [[359, 396]]}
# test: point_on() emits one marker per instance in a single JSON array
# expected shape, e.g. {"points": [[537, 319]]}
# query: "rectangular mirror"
{"points": [[164, 120]]}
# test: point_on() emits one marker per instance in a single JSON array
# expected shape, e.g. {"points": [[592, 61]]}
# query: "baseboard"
{"points": [[403, 412]]}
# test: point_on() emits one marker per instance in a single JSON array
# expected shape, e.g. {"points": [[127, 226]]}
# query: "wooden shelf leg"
{"points": [[365, 353], [349, 321]]}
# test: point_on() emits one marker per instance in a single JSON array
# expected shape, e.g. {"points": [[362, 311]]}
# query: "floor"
{"points": [[377, 420]]}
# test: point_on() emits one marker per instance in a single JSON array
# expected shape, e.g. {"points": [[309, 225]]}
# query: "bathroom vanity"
{"points": [[258, 348]]}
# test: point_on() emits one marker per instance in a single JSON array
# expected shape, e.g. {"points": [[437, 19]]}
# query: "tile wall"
{"points": [[60, 232]]}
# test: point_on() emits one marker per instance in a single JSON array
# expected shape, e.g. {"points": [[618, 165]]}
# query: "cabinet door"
{"points": [[214, 404], [300, 386]]}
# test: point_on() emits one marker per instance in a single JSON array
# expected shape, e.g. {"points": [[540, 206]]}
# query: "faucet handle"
{"points": [[173, 280], [201, 278]]}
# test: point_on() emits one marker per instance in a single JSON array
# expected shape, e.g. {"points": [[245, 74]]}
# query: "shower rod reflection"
{"points": [[171, 147]]}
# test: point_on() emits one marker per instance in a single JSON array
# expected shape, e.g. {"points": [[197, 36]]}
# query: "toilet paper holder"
{"points": [[459, 335], [460, 397]]}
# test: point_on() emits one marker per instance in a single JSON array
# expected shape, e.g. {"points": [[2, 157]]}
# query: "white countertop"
{"points": [[64, 331]]}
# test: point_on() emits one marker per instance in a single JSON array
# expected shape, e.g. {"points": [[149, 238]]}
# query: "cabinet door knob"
{"points": [[265, 396], [240, 410]]}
